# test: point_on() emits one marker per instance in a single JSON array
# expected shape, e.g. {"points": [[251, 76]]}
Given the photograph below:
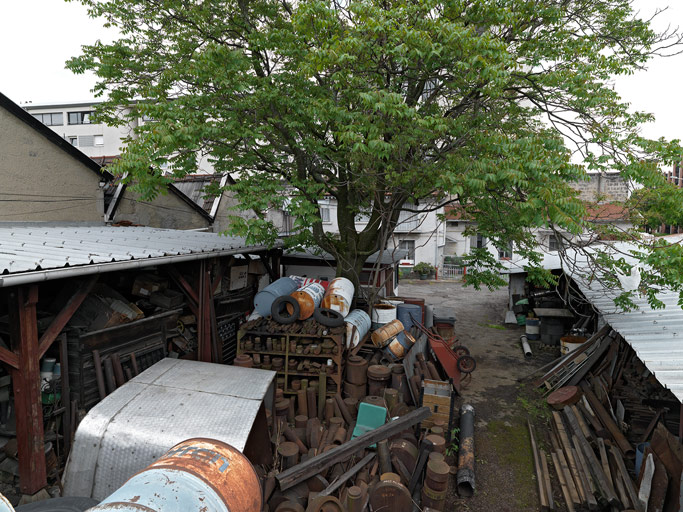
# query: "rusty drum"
{"points": [[195, 475], [378, 379], [309, 297], [381, 337], [339, 295], [356, 370]]}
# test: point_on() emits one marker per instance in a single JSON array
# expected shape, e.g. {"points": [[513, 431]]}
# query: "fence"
{"points": [[452, 271]]}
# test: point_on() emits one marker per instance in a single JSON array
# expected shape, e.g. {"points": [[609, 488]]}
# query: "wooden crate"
{"points": [[438, 396]]}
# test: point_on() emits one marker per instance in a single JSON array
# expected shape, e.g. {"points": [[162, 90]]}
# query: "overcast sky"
{"points": [[38, 36]]}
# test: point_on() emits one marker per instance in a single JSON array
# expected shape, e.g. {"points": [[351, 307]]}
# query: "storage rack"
{"points": [[288, 374]]}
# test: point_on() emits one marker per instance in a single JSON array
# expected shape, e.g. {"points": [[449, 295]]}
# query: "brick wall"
{"points": [[606, 187]]}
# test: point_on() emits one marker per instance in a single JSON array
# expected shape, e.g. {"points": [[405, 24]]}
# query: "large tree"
{"points": [[493, 106]]}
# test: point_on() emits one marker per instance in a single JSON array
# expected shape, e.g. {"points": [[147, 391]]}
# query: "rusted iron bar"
{"points": [[606, 420], [465, 475], [118, 370], [346, 476], [426, 447], [26, 384], [317, 464], [99, 376], [65, 315]]}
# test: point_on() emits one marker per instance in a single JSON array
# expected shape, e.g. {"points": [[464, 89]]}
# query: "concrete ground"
{"points": [[505, 478]]}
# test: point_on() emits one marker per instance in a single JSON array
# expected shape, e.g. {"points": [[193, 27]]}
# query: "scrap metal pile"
{"points": [[364, 415], [610, 432]]}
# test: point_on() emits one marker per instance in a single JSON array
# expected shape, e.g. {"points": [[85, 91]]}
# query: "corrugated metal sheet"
{"points": [[170, 402], [30, 248], [656, 335]]}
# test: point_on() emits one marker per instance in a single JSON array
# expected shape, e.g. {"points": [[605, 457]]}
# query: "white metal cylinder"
{"points": [[357, 326], [339, 295], [525, 346], [383, 314]]}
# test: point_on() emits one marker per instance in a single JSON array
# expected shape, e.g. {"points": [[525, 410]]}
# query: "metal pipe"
{"points": [[99, 376], [384, 456], [465, 475], [36, 276], [525, 347], [109, 375]]}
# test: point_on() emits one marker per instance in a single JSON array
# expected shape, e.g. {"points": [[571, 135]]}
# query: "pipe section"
{"points": [[525, 347], [465, 475]]}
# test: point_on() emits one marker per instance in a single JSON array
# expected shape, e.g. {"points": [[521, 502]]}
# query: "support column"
{"points": [[26, 385]]}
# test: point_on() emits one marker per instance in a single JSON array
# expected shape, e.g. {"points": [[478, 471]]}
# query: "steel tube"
{"points": [[525, 347], [465, 475]]}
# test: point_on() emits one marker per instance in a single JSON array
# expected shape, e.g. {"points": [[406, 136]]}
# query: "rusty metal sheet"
{"points": [[166, 404]]}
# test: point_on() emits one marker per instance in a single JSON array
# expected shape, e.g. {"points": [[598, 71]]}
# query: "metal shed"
{"points": [[172, 401], [31, 254]]}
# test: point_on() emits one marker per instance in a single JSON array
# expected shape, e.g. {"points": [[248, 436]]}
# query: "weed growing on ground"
{"points": [[453, 447]]}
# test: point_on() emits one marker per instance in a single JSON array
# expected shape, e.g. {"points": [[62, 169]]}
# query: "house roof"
{"points": [[46, 132], [607, 212], [32, 253], [194, 187]]}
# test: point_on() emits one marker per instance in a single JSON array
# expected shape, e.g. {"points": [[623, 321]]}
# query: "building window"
{"points": [[325, 215], [409, 246], [553, 243], [50, 119], [477, 241], [99, 140], [80, 117], [86, 141], [505, 254], [73, 140]]}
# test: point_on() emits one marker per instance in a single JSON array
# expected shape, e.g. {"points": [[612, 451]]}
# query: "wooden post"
{"points": [[204, 317], [26, 384]]}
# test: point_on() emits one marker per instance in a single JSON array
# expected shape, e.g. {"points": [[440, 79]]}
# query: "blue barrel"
{"points": [[197, 475], [264, 299], [533, 328], [408, 314]]}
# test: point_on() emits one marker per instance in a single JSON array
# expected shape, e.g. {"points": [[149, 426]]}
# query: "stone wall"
{"points": [[603, 187]]}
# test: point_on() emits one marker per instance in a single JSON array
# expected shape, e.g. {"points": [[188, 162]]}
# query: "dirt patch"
{"points": [[505, 478]]}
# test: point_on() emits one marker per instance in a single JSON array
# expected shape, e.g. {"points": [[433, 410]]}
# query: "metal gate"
{"points": [[452, 271]]}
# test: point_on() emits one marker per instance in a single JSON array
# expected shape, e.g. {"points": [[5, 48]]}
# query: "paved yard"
{"points": [[504, 465]]}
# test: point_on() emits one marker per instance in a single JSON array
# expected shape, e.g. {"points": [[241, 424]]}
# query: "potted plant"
{"points": [[424, 269]]}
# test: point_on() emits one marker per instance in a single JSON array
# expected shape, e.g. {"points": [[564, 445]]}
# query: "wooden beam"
{"points": [[264, 259], [9, 357], [204, 329], [184, 285], [222, 265], [26, 384], [315, 465], [63, 317]]}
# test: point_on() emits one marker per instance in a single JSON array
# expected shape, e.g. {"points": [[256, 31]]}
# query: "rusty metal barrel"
{"points": [[309, 297], [339, 295], [194, 476], [357, 327], [465, 474], [381, 337]]}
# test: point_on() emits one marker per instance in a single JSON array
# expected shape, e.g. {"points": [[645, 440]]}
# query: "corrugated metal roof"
{"points": [[29, 249], [656, 335]]}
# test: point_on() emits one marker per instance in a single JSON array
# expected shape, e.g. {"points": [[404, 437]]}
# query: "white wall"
{"points": [[112, 136], [426, 229]]}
